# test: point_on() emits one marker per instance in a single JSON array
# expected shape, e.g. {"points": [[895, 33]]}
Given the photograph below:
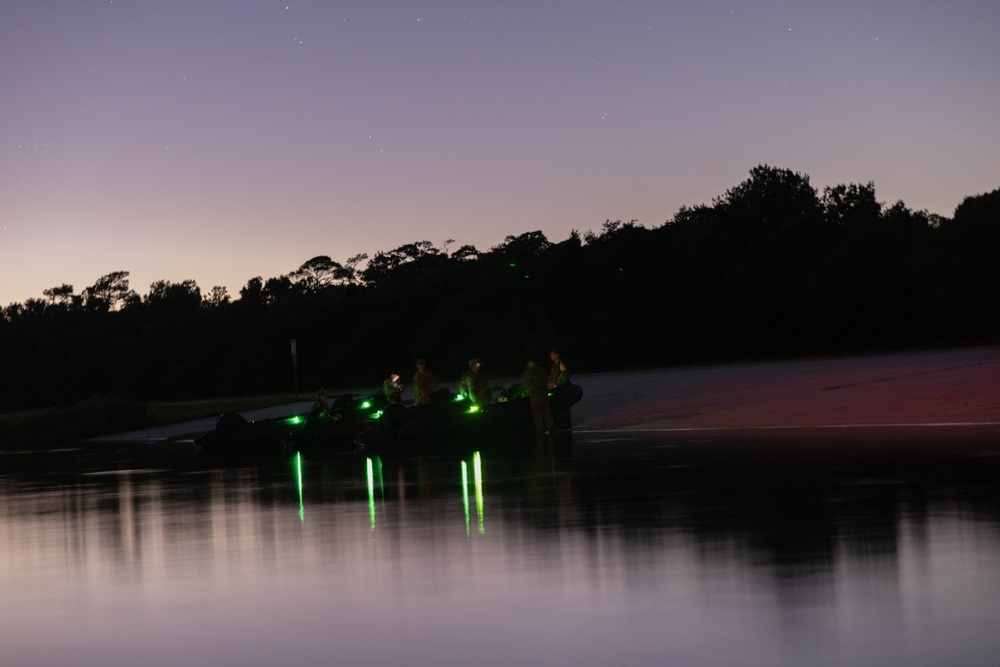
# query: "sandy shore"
{"points": [[953, 387]]}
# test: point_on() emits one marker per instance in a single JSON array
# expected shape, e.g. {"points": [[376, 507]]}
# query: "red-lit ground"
{"points": [[956, 390], [954, 387]]}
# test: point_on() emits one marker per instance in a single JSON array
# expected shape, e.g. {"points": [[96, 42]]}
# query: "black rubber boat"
{"points": [[451, 424], [234, 439]]}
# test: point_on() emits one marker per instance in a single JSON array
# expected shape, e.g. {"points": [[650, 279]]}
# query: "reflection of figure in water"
{"points": [[393, 389], [558, 369], [320, 402], [424, 384], [534, 383], [473, 384]]}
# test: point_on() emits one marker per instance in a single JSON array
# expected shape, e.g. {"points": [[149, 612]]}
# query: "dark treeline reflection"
{"points": [[795, 514], [771, 268], [787, 503]]}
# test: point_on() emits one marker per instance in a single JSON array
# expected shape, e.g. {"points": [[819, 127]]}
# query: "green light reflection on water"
{"points": [[374, 471], [477, 468], [298, 476], [465, 496], [477, 473]]}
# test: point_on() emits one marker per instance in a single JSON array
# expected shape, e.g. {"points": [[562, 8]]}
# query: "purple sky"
{"points": [[222, 140]]}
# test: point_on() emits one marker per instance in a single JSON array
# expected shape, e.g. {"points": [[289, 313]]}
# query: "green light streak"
{"points": [[371, 493], [477, 467], [298, 475], [381, 482], [465, 496]]}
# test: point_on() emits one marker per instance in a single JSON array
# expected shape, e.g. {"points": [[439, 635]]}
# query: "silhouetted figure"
{"points": [[393, 389], [558, 370], [424, 384], [563, 378], [534, 383], [320, 402], [474, 385]]}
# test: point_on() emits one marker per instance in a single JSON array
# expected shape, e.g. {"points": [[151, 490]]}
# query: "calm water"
{"points": [[628, 550]]}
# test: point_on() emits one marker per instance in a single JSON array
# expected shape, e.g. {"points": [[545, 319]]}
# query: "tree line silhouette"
{"points": [[770, 269]]}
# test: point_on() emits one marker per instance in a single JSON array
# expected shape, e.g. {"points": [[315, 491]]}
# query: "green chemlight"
{"points": [[460, 397], [366, 405], [472, 409]]}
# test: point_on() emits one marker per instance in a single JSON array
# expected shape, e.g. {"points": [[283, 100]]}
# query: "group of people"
{"points": [[424, 384], [537, 385], [474, 385]]}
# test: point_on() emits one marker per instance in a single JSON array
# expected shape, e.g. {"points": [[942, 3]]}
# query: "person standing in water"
{"points": [[534, 383]]}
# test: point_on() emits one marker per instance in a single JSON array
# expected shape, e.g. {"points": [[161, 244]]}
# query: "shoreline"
{"points": [[947, 388]]}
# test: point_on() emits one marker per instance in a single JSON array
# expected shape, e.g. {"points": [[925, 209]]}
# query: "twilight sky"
{"points": [[218, 140]]}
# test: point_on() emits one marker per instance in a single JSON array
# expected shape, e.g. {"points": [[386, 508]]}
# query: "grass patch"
{"points": [[92, 417], [182, 411], [101, 416]]}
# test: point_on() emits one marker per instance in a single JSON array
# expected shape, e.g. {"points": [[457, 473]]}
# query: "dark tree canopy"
{"points": [[769, 269], [109, 292]]}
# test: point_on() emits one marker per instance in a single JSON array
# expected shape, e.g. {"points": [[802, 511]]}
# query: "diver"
{"points": [[563, 379], [559, 372], [534, 384], [424, 384], [474, 385], [320, 402], [392, 388]]}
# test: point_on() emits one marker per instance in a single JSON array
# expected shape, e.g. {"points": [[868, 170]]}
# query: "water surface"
{"points": [[709, 548]]}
